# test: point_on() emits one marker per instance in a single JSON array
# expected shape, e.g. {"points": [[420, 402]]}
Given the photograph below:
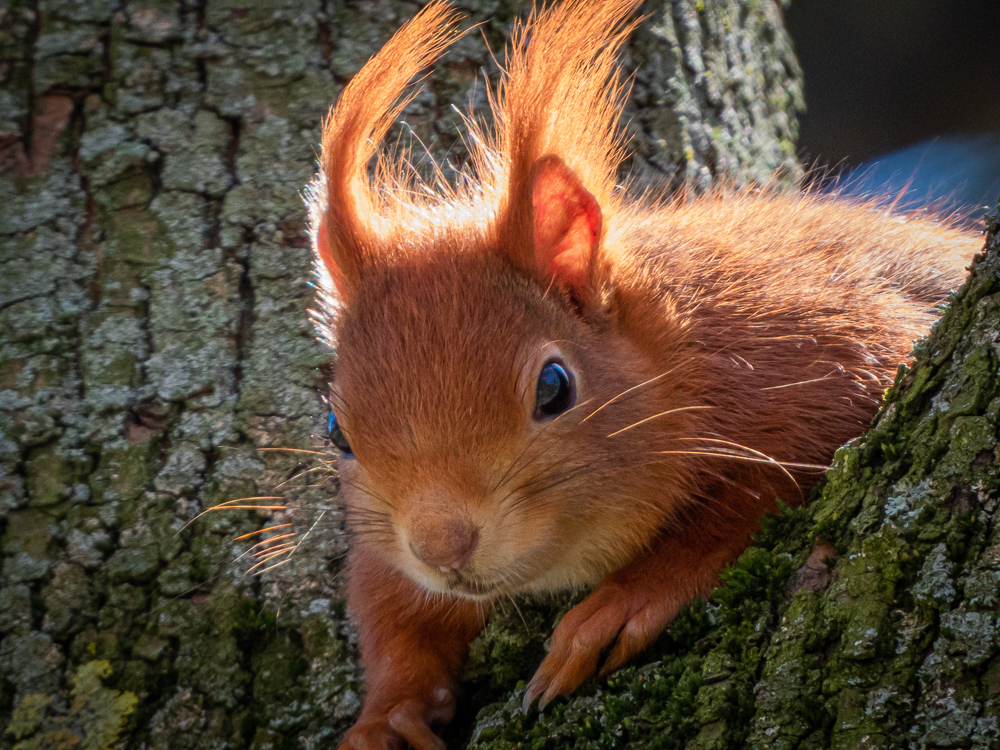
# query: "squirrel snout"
{"points": [[444, 544]]}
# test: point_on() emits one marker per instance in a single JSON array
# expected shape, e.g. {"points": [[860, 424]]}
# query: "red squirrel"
{"points": [[542, 384]]}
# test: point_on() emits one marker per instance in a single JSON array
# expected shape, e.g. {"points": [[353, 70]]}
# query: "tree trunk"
{"points": [[155, 341]]}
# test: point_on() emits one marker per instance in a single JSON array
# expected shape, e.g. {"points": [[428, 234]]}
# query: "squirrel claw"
{"points": [[611, 617], [533, 690], [407, 722], [542, 685]]}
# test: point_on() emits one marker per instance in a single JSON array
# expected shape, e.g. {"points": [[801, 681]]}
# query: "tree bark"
{"points": [[155, 346]]}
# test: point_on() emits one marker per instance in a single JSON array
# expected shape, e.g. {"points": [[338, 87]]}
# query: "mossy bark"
{"points": [[154, 339]]}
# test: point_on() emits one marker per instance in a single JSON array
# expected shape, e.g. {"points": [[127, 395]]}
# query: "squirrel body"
{"points": [[541, 385]]}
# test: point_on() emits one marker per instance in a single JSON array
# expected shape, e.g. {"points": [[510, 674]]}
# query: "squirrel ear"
{"points": [[324, 254], [567, 226]]}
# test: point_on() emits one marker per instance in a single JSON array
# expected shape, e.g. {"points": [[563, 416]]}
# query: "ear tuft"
{"points": [[324, 251], [345, 240], [567, 227]]}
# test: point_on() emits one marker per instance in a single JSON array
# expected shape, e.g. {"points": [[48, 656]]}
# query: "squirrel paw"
{"points": [[406, 722], [614, 618]]}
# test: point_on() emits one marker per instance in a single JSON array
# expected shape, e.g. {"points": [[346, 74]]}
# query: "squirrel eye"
{"points": [[554, 394], [337, 437]]}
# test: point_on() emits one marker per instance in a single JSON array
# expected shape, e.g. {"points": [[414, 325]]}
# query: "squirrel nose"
{"points": [[445, 545]]}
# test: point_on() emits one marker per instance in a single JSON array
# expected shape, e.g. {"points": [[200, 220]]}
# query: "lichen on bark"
{"points": [[92, 721]]}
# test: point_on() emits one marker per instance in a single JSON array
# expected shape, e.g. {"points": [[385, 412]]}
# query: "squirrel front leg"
{"points": [[633, 605], [412, 647]]}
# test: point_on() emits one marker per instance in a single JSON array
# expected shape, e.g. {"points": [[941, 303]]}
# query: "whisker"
{"points": [[365, 513], [368, 492], [629, 390], [261, 531], [265, 561], [557, 463], [300, 474], [801, 382], [294, 450], [272, 567], [571, 409], [274, 550], [750, 459], [242, 507], [227, 505], [757, 453], [661, 414], [546, 480], [308, 532], [507, 475], [383, 530], [266, 542], [555, 480]]}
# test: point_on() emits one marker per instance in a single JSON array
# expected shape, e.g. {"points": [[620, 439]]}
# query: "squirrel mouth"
{"points": [[473, 589]]}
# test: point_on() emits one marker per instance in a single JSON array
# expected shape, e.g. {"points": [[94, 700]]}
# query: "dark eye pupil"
{"points": [[336, 435], [555, 392]]}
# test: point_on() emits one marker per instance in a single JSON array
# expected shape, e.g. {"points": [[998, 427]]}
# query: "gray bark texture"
{"points": [[156, 361]]}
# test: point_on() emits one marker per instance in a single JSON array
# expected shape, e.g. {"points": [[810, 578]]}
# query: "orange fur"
{"points": [[722, 349]]}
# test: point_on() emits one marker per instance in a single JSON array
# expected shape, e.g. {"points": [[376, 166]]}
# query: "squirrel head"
{"points": [[482, 379]]}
